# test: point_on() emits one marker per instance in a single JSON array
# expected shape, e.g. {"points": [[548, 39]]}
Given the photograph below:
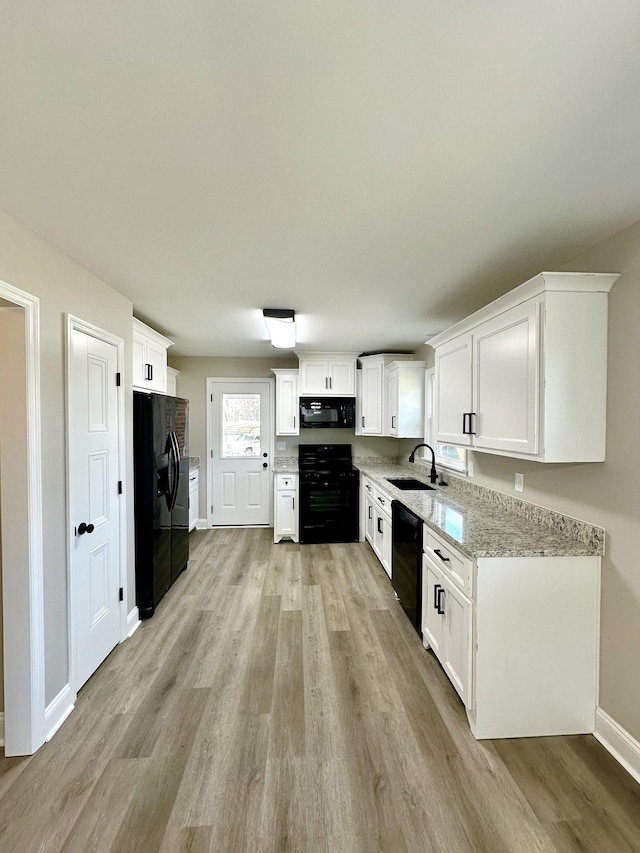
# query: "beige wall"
{"points": [[192, 385], [30, 264], [606, 494]]}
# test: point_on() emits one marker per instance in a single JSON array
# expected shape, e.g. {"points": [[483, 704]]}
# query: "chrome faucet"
{"points": [[433, 476]]}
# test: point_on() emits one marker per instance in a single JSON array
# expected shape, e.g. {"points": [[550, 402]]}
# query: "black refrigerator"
{"points": [[161, 500]]}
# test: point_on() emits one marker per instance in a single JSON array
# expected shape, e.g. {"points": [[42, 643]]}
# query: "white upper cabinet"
{"points": [[405, 399], [526, 376], [375, 394], [327, 374], [172, 381], [149, 350], [287, 402]]}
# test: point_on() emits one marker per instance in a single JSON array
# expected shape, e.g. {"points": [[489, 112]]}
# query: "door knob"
{"points": [[85, 528], [264, 465]]}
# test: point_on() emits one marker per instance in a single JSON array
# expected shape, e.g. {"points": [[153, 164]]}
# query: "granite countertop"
{"points": [[285, 465], [483, 525], [194, 462]]}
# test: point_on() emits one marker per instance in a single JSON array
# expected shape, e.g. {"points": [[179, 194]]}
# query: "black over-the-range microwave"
{"points": [[327, 412]]}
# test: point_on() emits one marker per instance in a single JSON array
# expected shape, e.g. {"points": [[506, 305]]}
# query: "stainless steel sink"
{"points": [[409, 484]]}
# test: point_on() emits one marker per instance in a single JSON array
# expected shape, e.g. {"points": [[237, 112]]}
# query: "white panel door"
{"points": [[240, 445], [94, 471]]}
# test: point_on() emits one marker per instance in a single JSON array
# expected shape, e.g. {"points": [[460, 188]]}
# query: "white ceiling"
{"points": [[383, 168]]}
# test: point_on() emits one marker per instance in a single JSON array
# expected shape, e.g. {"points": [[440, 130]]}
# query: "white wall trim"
{"points": [[1, 728], [201, 524], [23, 597], [618, 741], [57, 711], [133, 623]]}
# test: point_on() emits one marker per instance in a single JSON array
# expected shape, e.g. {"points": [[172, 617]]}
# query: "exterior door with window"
{"points": [[239, 449]]}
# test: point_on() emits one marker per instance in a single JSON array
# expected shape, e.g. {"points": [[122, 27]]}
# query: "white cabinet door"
{"points": [[457, 648], [506, 372], [369, 519], [382, 544], [139, 351], [386, 544], [194, 477], [432, 609], [392, 403], [405, 399], [313, 376], [341, 373], [454, 391], [285, 514], [371, 397], [157, 364], [287, 404]]}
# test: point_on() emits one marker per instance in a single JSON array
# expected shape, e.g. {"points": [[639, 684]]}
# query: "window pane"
{"points": [[240, 427], [453, 457]]}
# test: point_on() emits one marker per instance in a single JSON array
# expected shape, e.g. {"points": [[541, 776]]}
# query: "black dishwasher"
{"points": [[406, 572]]}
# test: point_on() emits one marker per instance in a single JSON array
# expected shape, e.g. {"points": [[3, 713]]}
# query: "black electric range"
{"points": [[329, 489]]}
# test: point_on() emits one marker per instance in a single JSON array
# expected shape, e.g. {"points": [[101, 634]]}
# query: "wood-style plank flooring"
{"points": [[279, 700]]}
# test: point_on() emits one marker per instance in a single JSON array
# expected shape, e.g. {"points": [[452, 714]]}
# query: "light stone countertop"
{"points": [[194, 462], [285, 465], [484, 523]]}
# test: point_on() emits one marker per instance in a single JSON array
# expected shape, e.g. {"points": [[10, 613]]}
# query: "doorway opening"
{"points": [[21, 522]]}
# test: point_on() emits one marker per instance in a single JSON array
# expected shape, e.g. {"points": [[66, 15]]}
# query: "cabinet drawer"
{"points": [[285, 481], [382, 501], [458, 567]]}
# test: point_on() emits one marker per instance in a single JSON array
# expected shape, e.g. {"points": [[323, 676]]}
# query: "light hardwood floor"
{"points": [[279, 700]]}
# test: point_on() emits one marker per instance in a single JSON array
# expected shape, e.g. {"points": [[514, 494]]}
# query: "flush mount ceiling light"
{"points": [[281, 325]]}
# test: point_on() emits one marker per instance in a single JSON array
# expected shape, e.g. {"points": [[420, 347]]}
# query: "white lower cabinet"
{"points": [[378, 526], [285, 521], [194, 480], [446, 626], [517, 637]]}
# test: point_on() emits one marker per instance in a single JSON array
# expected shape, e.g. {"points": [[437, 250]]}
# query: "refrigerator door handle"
{"points": [[175, 455]]}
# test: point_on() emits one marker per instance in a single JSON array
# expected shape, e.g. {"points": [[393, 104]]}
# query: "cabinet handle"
{"points": [[379, 523], [330, 383], [370, 512], [326, 383], [439, 553], [363, 422], [381, 500], [148, 371], [440, 607], [470, 430], [436, 589], [293, 503], [393, 418]]}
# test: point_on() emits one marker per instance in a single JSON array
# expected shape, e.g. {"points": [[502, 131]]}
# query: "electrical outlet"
{"points": [[519, 487], [469, 465], [281, 445]]}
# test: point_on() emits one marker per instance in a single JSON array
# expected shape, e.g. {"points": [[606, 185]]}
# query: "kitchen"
{"points": [[603, 494]]}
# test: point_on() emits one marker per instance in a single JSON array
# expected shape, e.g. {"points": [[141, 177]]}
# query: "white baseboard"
{"points": [[201, 524], [57, 711], [1, 728], [618, 741], [133, 622]]}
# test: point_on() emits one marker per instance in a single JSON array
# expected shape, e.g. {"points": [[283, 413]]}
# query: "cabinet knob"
{"points": [[85, 528]]}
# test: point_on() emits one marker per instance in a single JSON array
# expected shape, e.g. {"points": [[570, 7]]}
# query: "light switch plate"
{"points": [[281, 445], [519, 486]]}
